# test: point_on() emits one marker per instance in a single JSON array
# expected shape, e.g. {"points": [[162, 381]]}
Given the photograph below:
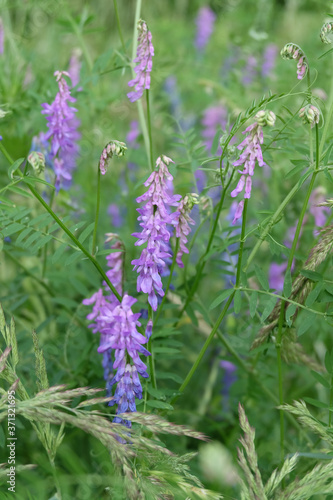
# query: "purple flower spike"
{"points": [[182, 222], [63, 133], [133, 134], [144, 54], [251, 153], [120, 341], [205, 27], [154, 217], [75, 67]]}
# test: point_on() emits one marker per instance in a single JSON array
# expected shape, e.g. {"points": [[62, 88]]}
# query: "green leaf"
{"points": [[220, 298], [307, 320], [262, 278], [156, 393], [58, 253], [86, 232], [313, 295], [322, 380], [296, 169], [271, 301], [329, 361], [311, 275], [314, 402], [171, 376], [12, 229], [16, 165], [287, 285], [253, 303], [159, 404], [289, 313]]}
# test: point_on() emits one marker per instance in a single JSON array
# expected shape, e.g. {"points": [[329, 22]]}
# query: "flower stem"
{"points": [[151, 357], [98, 199], [241, 245], [119, 25], [168, 283], [202, 261], [64, 228], [139, 103], [224, 310], [149, 130], [283, 303]]}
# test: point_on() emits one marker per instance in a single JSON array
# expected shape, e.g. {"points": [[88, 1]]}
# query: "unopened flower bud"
{"points": [[116, 148], [326, 33], [37, 161], [292, 51], [310, 114], [264, 118]]}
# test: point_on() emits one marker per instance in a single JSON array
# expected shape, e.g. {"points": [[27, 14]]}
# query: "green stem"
{"points": [[76, 241], [241, 246], [151, 357], [202, 261], [273, 221], [331, 402], [65, 228], [98, 200], [139, 102], [46, 246], [82, 42], [168, 283], [283, 303], [204, 347], [149, 131], [119, 25]]}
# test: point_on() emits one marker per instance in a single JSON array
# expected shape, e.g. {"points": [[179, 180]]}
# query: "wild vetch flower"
{"points": [[229, 379], [154, 218], [251, 153], [116, 148], [276, 275], [120, 335], [292, 51], [120, 339], [116, 217], [326, 33], [182, 222], [317, 207], [62, 133], [144, 54], [250, 70], [205, 26], [133, 134], [75, 67], [269, 60], [310, 114], [214, 117]]}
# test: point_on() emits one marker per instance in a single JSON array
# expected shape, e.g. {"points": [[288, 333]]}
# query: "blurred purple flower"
{"points": [[229, 379], [320, 214], [276, 275], [205, 26], [213, 117], [74, 67], [116, 217], [133, 134], [144, 54], [154, 219], [250, 70], [63, 134], [269, 59]]}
